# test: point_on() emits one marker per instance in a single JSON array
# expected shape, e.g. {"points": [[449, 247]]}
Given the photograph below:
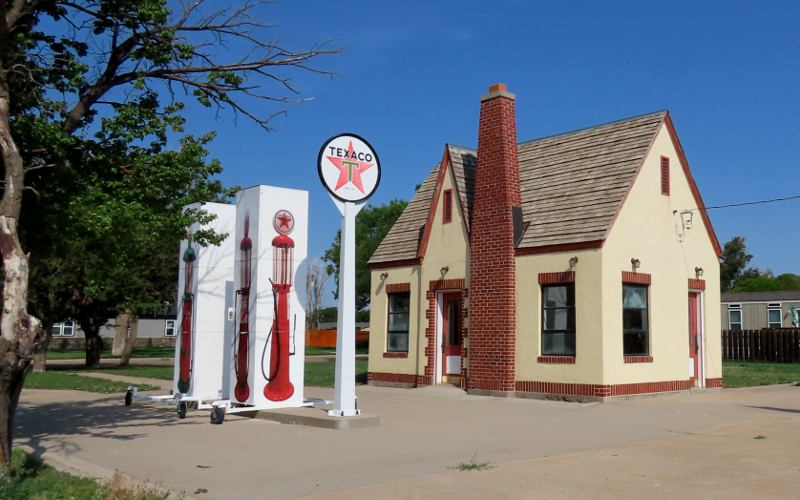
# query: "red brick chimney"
{"points": [[492, 306]]}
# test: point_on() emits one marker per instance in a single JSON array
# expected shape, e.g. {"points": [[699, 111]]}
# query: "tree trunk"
{"points": [[120, 333], [11, 382], [19, 331], [130, 340], [40, 361], [94, 346]]}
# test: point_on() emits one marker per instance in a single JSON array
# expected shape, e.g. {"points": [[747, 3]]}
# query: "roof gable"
{"points": [[572, 187]]}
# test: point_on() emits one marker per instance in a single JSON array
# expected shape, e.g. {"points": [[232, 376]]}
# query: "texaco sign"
{"points": [[348, 167]]}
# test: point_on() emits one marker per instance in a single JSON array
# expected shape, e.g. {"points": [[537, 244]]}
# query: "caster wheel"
{"points": [[128, 398], [217, 415], [182, 410]]}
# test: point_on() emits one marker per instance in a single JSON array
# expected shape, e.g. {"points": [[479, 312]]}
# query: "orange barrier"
{"points": [[327, 338]]}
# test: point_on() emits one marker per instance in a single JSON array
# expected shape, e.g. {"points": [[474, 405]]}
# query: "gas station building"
{"points": [[579, 266]]}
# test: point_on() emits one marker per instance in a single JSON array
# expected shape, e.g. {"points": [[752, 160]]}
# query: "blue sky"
{"points": [[411, 74]]}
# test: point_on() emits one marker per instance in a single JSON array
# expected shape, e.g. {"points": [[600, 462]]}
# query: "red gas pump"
{"points": [[279, 387], [242, 389], [185, 357]]}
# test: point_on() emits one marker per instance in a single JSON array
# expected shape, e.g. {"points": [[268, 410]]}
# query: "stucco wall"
{"points": [[647, 229], [447, 246], [588, 364]]}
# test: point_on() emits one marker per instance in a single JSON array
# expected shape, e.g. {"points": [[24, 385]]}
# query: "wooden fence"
{"points": [[778, 345]]}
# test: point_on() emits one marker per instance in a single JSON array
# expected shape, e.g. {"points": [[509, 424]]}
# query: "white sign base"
{"points": [[345, 381]]}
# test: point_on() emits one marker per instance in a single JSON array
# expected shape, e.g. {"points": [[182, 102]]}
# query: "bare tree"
{"points": [[114, 52], [315, 286]]}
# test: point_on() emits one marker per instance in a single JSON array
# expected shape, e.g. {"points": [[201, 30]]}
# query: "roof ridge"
{"points": [[575, 131], [599, 125]]}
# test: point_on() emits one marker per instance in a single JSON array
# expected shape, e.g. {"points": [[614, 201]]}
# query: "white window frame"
{"points": [[174, 327], [774, 306], [60, 325], [735, 307]]}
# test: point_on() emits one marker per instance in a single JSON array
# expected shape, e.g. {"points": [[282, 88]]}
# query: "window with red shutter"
{"points": [[447, 207], [664, 175]]}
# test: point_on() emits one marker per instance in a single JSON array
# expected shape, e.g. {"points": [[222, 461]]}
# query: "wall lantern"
{"points": [[636, 264], [698, 272], [572, 263], [444, 270], [384, 276]]}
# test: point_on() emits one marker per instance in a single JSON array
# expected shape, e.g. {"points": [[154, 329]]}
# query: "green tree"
{"points": [[767, 283], [372, 224], [734, 263], [98, 59]]}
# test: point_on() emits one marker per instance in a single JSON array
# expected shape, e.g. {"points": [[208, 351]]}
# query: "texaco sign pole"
{"points": [[350, 170]]}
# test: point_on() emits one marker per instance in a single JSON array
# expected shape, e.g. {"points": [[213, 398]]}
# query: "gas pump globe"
{"points": [[279, 387]]}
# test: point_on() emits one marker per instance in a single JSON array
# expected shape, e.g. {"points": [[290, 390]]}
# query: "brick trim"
{"points": [[697, 284], [557, 278], [393, 354], [665, 175], [556, 360], [449, 284], [398, 287], [601, 390], [455, 285], [402, 378], [713, 383], [635, 278], [638, 359]]}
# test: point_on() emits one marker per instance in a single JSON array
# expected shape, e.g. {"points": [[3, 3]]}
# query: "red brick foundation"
{"points": [[398, 378], [601, 390], [713, 383]]}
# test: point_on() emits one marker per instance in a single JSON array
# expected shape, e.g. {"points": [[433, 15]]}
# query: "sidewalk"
{"points": [[666, 446]]}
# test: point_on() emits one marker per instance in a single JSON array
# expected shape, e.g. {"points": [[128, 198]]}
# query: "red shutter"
{"points": [[447, 208], [664, 175]]}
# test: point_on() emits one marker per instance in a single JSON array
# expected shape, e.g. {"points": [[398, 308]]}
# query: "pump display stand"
{"points": [[181, 402], [205, 318], [268, 358]]}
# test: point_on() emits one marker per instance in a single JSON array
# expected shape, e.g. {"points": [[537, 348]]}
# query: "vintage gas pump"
{"points": [[185, 359], [280, 387], [242, 389]]}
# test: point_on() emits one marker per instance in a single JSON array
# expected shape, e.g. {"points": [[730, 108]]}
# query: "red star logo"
{"points": [[350, 169], [284, 222]]}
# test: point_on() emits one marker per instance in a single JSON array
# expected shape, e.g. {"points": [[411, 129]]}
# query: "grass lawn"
{"points": [[63, 380], [750, 373], [322, 374], [138, 352], [31, 479]]}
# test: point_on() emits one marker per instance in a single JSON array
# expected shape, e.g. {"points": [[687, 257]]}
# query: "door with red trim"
{"points": [[694, 329], [451, 334]]}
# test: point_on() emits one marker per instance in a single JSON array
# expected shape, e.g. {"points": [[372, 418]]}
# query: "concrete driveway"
{"points": [[698, 444]]}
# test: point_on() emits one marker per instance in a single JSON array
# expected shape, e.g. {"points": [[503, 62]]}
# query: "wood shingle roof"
{"points": [[571, 186]]}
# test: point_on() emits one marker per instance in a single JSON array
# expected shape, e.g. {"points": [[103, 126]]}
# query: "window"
{"points": [[558, 320], [734, 317], [634, 320], [664, 175], [398, 322], [447, 206], [63, 329], [774, 315], [169, 328]]}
